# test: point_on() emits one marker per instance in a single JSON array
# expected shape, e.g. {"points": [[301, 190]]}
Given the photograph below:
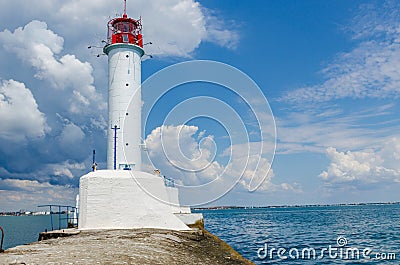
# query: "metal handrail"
{"points": [[2, 238], [60, 207]]}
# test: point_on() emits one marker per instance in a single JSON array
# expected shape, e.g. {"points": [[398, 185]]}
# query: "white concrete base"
{"points": [[190, 218], [113, 199]]}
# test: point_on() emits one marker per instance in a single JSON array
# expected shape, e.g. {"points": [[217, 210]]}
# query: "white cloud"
{"points": [[175, 150], [315, 130], [188, 155], [20, 117], [365, 167], [28, 41], [38, 46], [175, 27], [70, 135], [56, 173], [24, 194], [370, 70], [256, 172], [217, 31], [63, 169]]}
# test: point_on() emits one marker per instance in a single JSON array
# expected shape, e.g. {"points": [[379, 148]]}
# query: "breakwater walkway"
{"points": [[137, 246]]}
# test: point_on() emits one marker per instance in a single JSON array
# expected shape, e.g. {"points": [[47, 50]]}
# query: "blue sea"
{"points": [[363, 234], [336, 234], [21, 230]]}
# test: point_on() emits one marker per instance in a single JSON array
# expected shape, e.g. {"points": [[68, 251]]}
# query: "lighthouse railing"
{"points": [[67, 210]]}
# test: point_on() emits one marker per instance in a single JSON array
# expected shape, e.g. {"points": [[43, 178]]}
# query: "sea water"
{"points": [[361, 234], [21, 230], [335, 233]]}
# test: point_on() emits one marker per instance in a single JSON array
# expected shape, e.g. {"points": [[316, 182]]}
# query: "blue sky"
{"points": [[329, 69]]}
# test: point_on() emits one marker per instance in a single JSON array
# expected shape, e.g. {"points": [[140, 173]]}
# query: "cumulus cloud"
{"points": [[257, 172], [61, 173], [70, 136], [28, 41], [189, 156], [22, 194], [38, 46], [371, 69], [175, 27], [364, 168], [178, 27], [64, 169], [20, 116], [175, 150]]}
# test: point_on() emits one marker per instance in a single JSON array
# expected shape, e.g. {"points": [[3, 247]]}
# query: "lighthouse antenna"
{"points": [[115, 128], [125, 8]]}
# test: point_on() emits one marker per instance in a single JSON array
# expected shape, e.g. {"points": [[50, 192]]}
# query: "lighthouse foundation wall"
{"points": [[121, 199]]}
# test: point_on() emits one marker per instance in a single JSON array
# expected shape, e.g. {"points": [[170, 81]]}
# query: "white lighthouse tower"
{"points": [[122, 196], [124, 50]]}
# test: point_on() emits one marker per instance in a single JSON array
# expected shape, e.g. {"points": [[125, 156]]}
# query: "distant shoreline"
{"points": [[19, 213], [293, 206]]}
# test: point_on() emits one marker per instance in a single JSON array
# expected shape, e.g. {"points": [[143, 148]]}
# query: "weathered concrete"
{"points": [[138, 246], [58, 233]]}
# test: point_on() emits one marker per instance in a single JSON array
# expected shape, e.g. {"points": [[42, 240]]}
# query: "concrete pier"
{"points": [[135, 246]]}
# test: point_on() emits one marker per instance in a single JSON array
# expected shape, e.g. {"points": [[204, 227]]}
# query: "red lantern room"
{"points": [[125, 30]]}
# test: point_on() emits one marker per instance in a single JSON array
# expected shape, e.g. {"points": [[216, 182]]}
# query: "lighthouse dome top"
{"points": [[125, 30]]}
